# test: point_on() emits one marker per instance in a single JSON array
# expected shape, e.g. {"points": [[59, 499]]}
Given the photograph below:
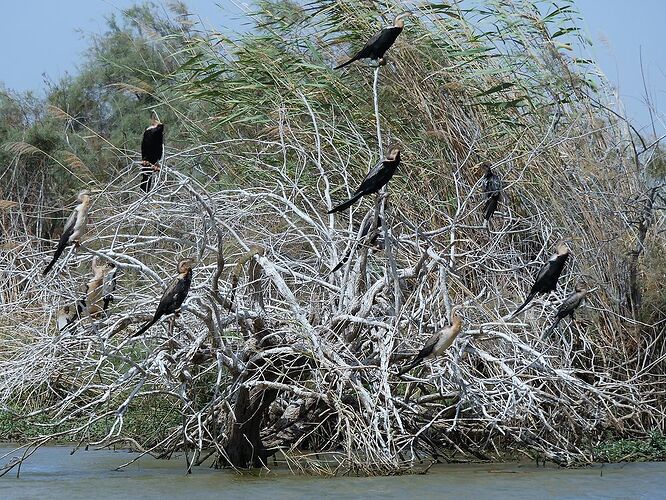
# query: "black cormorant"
{"points": [[546, 280], [376, 47], [437, 343], [74, 228], [376, 178], [567, 308], [174, 296], [492, 188], [151, 152]]}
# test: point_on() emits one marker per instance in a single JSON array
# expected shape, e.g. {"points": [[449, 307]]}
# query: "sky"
{"points": [[48, 37]]}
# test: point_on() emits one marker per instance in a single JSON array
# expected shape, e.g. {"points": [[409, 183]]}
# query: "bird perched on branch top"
{"points": [[376, 178], [546, 280], [567, 308], [174, 295], [376, 47], [74, 228], [437, 343], [493, 190], [152, 146]]}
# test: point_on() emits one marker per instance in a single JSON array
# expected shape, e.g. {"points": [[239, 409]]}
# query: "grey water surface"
{"points": [[52, 473]]}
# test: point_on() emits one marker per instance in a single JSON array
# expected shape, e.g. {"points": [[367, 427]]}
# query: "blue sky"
{"points": [[49, 36]]}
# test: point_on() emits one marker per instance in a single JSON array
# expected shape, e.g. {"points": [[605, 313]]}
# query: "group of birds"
{"points": [[100, 288], [98, 293]]}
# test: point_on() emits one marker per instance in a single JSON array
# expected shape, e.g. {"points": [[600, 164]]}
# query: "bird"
{"points": [[567, 308], [151, 152], [364, 233], [74, 228], [376, 47], [437, 343], [376, 178], [109, 285], [546, 279], [95, 299], [174, 295], [492, 188]]}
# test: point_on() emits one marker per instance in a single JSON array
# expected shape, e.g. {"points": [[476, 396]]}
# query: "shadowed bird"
{"points": [[376, 47], [376, 178], [174, 296], [437, 343], [567, 308], [492, 188], [109, 285], [74, 228], [364, 233], [546, 280], [151, 152]]}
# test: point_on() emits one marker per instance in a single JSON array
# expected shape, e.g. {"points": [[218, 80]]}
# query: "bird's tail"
{"points": [[491, 206], [408, 367], [527, 301], [56, 256], [345, 205], [145, 327], [345, 63], [547, 333]]}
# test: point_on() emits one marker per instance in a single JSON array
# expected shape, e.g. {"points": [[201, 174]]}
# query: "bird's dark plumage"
{"points": [[174, 295], [376, 47], [376, 178], [493, 190], [73, 230], [109, 286], [151, 152], [567, 308], [546, 280]]}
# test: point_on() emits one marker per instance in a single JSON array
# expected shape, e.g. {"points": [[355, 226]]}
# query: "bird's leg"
{"points": [[156, 167]]}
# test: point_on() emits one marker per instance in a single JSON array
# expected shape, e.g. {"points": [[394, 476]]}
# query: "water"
{"points": [[52, 473]]}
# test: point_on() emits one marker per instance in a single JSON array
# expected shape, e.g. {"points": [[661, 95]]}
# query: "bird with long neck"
{"points": [[173, 296], [546, 279], [438, 342], [375, 179], [152, 147], [376, 47], [567, 308], [74, 228]]}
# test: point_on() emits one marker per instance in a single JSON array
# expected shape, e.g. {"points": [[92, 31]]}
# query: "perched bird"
{"points": [[546, 280], [376, 47], [364, 233], [151, 152], [95, 299], [567, 308], [109, 285], [67, 315], [492, 188], [174, 296], [437, 343], [376, 178], [74, 228]]}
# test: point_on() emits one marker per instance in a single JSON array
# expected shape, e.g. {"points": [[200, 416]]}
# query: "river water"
{"points": [[52, 473]]}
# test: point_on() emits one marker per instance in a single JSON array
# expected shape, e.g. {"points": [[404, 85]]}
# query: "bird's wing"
{"points": [[368, 45], [569, 304], [370, 176], [493, 185], [543, 271], [428, 347]]}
